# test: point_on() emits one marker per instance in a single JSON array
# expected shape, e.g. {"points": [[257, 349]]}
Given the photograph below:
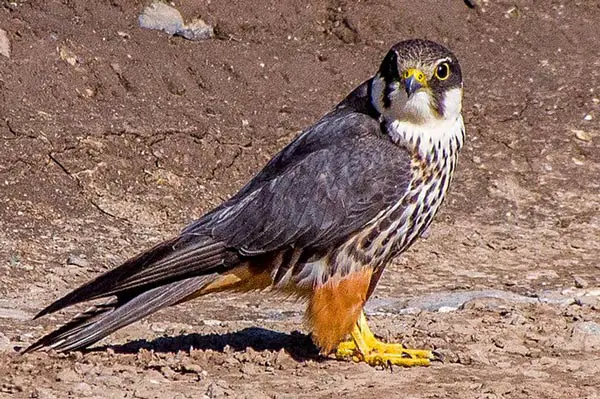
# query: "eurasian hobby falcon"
{"points": [[321, 220]]}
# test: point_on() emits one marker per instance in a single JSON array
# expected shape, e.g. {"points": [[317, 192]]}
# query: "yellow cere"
{"points": [[418, 75]]}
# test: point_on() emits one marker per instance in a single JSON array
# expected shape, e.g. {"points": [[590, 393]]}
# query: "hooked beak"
{"points": [[414, 79]]}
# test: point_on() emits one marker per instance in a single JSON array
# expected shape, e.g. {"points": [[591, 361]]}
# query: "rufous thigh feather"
{"points": [[334, 308]]}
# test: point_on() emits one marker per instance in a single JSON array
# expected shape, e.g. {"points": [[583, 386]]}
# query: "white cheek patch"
{"points": [[419, 105], [452, 103]]}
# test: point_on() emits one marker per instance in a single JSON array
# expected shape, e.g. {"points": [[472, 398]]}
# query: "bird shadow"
{"points": [[299, 346]]}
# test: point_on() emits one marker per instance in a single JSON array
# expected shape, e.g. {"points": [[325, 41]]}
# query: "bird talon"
{"points": [[437, 356], [366, 348]]}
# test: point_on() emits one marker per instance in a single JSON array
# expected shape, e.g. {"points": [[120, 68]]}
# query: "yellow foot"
{"points": [[364, 347]]}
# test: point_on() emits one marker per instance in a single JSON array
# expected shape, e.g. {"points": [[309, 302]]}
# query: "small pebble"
{"points": [[196, 30], [4, 44], [192, 368], [580, 282], [68, 56], [586, 335], [582, 135], [77, 260], [214, 391]]}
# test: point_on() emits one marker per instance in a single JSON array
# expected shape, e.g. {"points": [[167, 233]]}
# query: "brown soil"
{"points": [[113, 138]]}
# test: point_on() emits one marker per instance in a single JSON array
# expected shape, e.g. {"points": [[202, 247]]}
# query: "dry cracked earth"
{"points": [[112, 138]]}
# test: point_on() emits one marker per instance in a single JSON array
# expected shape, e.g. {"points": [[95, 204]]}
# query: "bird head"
{"points": [[419, 81]]}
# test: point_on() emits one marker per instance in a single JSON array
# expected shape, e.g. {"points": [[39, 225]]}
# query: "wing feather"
{"points": [[327, 184], [330, 182]]}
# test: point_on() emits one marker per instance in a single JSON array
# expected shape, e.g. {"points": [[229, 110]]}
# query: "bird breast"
{"points": [[434, 148]]}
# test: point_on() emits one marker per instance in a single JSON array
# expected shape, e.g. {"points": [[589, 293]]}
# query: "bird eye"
{"points": [[442, 72]]}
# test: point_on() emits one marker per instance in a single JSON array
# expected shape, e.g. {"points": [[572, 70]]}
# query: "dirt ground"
{"points": [[112, 138]]}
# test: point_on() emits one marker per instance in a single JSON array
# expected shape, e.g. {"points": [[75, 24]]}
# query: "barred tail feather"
{"points": [[169, 273], [101, 320]]}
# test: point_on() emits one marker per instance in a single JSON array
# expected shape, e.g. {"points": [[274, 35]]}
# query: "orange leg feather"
{"points": [[334, 308]]}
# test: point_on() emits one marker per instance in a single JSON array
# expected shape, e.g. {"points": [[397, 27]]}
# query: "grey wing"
{"points": [[328, 184]]}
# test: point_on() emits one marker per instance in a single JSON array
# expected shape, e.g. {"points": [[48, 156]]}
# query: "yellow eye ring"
{"points": [[442, 72]]}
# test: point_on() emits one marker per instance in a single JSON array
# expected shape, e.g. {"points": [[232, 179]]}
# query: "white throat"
{"points": [[425, 131]]}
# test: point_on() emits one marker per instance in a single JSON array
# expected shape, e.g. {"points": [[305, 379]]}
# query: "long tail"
{"points": [[99, 321], [165, 275]]}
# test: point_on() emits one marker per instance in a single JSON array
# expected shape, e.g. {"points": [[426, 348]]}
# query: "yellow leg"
{"points": [[364, 347]]}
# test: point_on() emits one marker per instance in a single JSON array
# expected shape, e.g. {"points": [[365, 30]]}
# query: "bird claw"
{"points": [[388, 357], [364, 347]]}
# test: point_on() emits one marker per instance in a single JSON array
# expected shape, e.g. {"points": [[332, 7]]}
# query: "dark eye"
{"points": [[442, 72]]}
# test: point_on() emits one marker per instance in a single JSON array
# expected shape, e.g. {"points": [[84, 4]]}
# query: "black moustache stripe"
{"points": [[390, 74]]}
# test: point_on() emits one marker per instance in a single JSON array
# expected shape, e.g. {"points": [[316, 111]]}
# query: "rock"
{"points": [[19, 383], [4, 44], [169, 373], [589, 328], [124, 35], [580, 282], [586, 336], [190, 367], [485, 304], [161, 16], [174, 85], [588, 300], [197, 30], [77, 260], [582, 135], [215, 391], [68, 56]]}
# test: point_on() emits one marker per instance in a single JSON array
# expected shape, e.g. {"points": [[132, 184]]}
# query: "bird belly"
{"points": [[398, 228]]}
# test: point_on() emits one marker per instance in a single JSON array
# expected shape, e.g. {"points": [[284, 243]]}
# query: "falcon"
{"points": [[320, 221]]}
